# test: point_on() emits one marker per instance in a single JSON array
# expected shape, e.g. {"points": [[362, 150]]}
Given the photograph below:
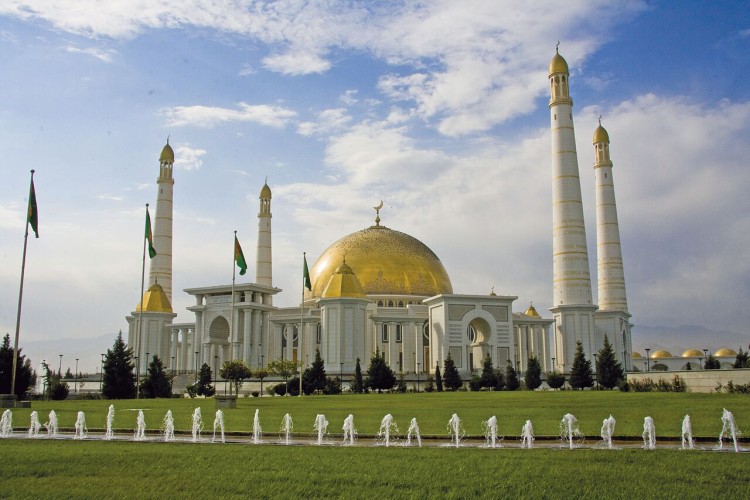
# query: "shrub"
{"points": [[255, 394], [475, 384], [279, 389], [555, 380], [59, 391], [429, 384], [332, 386]]}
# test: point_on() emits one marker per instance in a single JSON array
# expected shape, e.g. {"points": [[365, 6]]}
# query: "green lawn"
{"points": [[97, 469], [544, 409]]}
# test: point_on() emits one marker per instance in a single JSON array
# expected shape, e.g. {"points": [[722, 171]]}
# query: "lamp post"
{"points": [[137, 378], [148, 359], [648, 361], [262, 358], [216, 363], [59, 368], [418, 376], [596, 372], [75, 378], [625, 360], [196, 365], [101, 374], [705, 354], [341, 376], [553, 363]]}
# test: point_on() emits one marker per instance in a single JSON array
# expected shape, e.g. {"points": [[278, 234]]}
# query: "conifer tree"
{"points": [[533, 377], [511, 378], [204, 382], [156, 384], [359, 386], [742, 360], [314, 378], [488, 378], [379, 374], [118, 381], [451, 378], [25, 377], [608, 370], [580, 374], [438, 378]]}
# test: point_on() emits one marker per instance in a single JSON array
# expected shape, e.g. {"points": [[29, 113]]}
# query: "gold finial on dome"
{"points": [[531, 311], [492, 292], [377, 213], [558, 63], [600, 134], [167, 153]]}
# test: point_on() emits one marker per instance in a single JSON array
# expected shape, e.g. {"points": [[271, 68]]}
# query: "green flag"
{"points": [[149, 236], [33, 216], [306, 274], [239, 257]]}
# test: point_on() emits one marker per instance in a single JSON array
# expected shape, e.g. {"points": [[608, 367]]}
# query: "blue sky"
{"points": [[437, 108]]}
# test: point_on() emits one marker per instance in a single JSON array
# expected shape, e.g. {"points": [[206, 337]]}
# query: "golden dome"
{"points": [[558, 65], [167, 155], [265, 192], [636, 355], [661, 354], [600, 134], [388, 262], [531, 311], [692, 353], [155, 299], [725, 352], [343, 283]]}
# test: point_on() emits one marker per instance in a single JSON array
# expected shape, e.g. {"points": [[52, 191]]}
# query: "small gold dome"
{"points": [[558, 64], [692, 353], [661, 354], [343, 283], [636, 355], [265, 192], [167, 155], [725, 352], [156, 300], [600, 134], [531, 311], [388, 262]]}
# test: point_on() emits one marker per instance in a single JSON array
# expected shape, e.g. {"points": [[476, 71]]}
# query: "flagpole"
{"points": [[231, 312], [20, 295], [140, 320], [301, 328]]}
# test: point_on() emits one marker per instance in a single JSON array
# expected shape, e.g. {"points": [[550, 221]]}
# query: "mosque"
{"points": [[379, 289]]}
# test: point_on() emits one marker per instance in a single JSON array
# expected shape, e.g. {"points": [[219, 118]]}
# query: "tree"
{"points": [[236, 372], [68, 374], [156, 384], [118, 381], [609, 371], [204, 387], [488, 379], [742, 361], [511, 378], [533, 377], [555, 380], [314, 378], [25, 377], [359, 386], [581, 375], [429, 384], [283, 368], [438, 378], [451, 378], [261, 374], [499, 379], [712, 363], [379, 374]]}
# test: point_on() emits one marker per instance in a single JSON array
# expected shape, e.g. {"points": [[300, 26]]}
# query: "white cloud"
{"points": [[103, 55], [296, 63], [187, 157], [109, 197], [210, 116], [349, 97], [329, 121]]}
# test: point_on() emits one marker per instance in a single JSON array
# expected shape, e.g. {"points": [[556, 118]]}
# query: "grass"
{"points": [[544, 409], [96, 469]]}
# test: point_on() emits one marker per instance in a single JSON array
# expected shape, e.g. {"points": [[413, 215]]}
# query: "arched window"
{"points": [[471, 333], [390, 303], [400, 303], [426, 334], [380, 303]]}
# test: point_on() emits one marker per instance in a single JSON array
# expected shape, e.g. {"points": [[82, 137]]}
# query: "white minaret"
{"points": [[612, 318], [263, 263], [572, 309], [161, 265]]}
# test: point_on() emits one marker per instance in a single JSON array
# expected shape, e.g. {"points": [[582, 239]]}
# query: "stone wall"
{"points": [[698, 380]]}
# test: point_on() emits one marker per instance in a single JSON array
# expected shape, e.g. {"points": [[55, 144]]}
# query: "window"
{"points": [[318, 333], [426, 334], [471, 333], [398, 332], [400, 303], [390, 303], [380, 303], [384, 332]]}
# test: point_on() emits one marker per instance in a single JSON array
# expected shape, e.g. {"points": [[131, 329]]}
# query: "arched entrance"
{"points": [[218, 333], [478, 334]]}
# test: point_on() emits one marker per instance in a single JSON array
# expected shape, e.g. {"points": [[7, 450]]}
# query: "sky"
{"points": [[440, 109]]}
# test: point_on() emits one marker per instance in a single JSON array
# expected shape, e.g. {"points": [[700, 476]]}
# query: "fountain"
{"points": [[321, 426], [167, 426], [257, 431], [688, 443], [197, 424], [81, 430], [569, 430], [51, 425], [109, 434], [413, 431], [527, 435], [140, 431], [454, 429], [35, 425], [218, 424], [387, 426], [6, 424], [649, 434], [490, 432], [349, 431], [608, 429], [728, 429], [286, 428]]}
